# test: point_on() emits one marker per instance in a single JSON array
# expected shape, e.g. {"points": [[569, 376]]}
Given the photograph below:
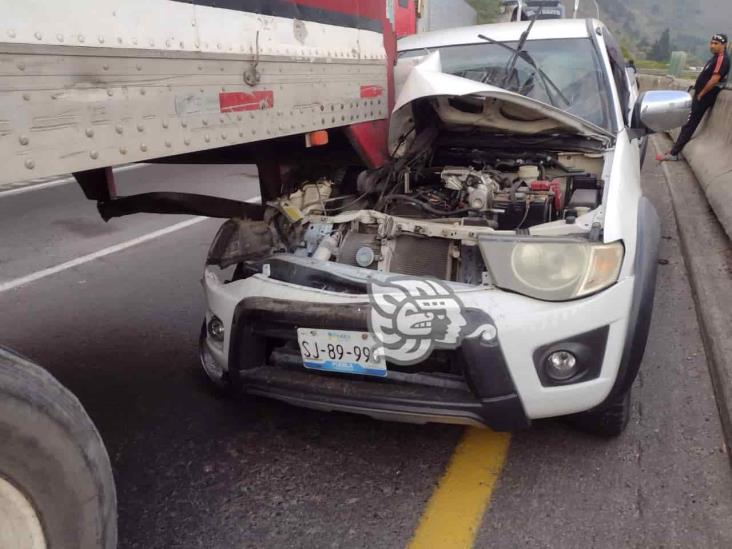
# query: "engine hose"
{"points": [[427, 207]]}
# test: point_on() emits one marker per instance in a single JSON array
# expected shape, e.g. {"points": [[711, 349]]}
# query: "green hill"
{"points": [[641, 22]]}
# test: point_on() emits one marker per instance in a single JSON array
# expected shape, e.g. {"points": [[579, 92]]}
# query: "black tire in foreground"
{"points": [[610, 421], [56, 484]]}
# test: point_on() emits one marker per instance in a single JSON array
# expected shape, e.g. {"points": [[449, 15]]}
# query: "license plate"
{"points": [[340, 351]]}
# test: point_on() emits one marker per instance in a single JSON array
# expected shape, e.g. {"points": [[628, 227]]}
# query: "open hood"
{"points": [[482, 106]]}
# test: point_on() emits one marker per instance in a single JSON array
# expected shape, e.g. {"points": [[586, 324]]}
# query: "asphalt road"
{"points": [[195, 469]]}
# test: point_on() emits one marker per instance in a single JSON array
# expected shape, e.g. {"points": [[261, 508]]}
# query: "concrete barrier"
{"points": [[709, 153]]}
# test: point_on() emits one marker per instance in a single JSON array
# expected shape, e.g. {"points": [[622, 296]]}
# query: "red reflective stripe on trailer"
{"points": [[718, 67], [372, 91], [243, 101]]}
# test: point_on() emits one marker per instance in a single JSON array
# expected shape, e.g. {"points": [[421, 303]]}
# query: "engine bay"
{"points": [[423, 213]]}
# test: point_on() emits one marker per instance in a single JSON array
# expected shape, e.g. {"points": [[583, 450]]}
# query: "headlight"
{"points": [[553, 269]]}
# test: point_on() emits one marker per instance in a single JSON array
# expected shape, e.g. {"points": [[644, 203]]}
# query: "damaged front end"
{"points": [[461, 200]]}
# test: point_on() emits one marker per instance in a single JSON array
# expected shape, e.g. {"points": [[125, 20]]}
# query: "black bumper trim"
{"points": [[492, 399], [383, 400]]}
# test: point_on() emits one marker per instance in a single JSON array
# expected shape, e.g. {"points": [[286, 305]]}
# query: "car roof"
{"points": [[502, 32]]}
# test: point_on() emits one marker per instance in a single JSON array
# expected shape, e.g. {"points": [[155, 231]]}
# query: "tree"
{"points": [[487, 10], [661, 50]]}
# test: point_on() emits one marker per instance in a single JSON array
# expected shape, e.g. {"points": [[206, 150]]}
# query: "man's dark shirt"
{"points": [[718, 64]]}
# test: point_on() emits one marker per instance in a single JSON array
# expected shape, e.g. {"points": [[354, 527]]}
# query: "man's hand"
{"points": [[713, 81]]}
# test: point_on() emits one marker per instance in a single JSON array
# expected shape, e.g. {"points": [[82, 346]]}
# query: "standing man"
{"points": [[710, 82]]}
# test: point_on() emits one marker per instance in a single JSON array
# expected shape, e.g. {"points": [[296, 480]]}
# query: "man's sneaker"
{"points": [[667, 157]]}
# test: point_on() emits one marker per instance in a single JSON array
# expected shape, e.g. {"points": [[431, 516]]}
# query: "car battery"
{"points": [[516, 216]]}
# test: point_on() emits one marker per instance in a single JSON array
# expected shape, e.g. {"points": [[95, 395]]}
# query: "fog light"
{"points": [[216, 329], [561, 365]]}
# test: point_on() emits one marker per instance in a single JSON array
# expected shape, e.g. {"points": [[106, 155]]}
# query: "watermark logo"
{"points": [[410, 317]]}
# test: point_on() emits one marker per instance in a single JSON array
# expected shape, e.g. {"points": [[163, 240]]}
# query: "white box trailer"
{"points": [[110, 82], [89, 84]]}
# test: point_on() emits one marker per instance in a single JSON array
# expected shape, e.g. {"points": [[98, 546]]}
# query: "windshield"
{"points": [[569, 75]]}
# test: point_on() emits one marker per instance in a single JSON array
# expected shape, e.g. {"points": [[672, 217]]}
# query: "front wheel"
{"points": [[608, 422], [56, 484]]}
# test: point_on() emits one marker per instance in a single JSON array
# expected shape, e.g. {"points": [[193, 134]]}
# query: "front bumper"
{"points": [[497, 385]]}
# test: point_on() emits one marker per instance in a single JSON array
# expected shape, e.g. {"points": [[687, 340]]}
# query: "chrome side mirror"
{"points": [[661, 110]]}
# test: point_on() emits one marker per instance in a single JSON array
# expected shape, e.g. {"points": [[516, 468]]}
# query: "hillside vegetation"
{"points": [[640, 23]]}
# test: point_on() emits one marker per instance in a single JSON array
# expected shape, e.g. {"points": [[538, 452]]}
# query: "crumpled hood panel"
{"points": [[492, 107]]}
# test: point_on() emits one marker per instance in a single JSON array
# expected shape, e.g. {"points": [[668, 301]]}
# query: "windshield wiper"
{"points": [[511, 64], [530, 60]]}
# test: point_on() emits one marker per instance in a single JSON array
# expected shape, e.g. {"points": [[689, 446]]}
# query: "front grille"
{"points": [[269, 327]]}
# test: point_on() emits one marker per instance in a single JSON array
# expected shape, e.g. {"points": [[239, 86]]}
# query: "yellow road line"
{"points": [[455, 510]]}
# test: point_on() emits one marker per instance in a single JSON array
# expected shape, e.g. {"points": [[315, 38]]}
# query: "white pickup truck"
{"points": [[499, 268]]}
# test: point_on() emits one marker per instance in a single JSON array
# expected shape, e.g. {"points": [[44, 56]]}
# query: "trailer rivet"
{"points": [[23, 140], [167, 43], [134, 41], [80, 38], [207, 138], [138, 67], [30, 164], [187, 141], [241, 134], [26, 96], [123, 150], [165, 124], [238, 117], [11, 33], [140, 128], [38, 36], [105, 67], [89, 132], [101, 39], [183, 124], [143, 147], [167, 144], [119, 39], [119, 129], [221, 119], [205, 122], [142, 91], [21, 66], [94, 155], [60, 37], [110, 93]]}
